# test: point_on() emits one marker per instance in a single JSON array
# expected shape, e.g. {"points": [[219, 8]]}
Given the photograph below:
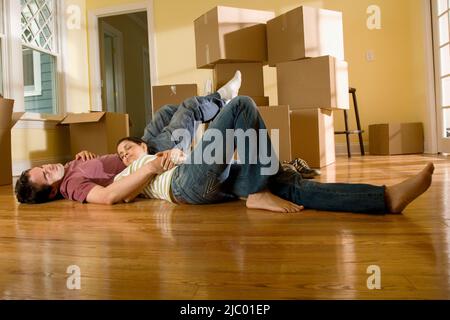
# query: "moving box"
{"points": [[396, 138], [320, 82], [305, 32], [227, 34]]}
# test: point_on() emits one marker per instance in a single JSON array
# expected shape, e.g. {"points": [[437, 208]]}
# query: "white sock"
{"points": [[231, 89]]}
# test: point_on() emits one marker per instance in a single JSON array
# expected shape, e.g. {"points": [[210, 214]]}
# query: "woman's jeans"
{"points": [[159, 132], [200, 182]]}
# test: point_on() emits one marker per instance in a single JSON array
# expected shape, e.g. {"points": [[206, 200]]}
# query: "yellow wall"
{"points": [[76, 55], [390, 89], [39, 146]]}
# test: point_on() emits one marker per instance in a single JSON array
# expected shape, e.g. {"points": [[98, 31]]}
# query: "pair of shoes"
{"points": [[302, 167]]}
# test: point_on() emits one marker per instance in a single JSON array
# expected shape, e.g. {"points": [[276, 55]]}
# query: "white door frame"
{"points": [[94, 42], [443, 143], [147, 91], [118, 63], [431, 142]]}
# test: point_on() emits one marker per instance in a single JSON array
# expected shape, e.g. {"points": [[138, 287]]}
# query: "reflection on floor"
{"points": [[155, 250]]}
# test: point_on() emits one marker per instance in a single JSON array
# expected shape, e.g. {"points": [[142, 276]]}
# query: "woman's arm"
{"points": [[128, 186], [86, 156]]}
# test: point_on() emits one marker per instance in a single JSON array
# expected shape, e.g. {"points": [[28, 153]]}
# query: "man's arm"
{"points": [[127, 187]]}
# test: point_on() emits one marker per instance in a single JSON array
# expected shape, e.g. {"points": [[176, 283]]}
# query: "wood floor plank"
{"points": [[156, 250]]}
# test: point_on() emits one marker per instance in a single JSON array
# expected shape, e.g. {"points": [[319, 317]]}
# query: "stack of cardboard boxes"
{"points": [[229, 39], [306, 45]]}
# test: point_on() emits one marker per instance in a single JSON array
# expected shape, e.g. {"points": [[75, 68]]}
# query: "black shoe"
{"points": [[302, 167]]}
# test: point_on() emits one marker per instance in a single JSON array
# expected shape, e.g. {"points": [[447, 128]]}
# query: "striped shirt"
{"points": [[159, 187]]}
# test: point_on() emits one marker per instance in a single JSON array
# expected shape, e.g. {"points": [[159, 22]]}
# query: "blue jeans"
{"points": [[213, 183], [158, 133]]}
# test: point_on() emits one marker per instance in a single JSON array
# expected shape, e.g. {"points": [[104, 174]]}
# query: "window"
{"points": [[441, 46], [2, 41], [32, 73], [443, 11], [40, 54]]}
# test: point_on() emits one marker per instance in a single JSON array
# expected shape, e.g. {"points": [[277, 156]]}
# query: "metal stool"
{"points": [[348, 132]]}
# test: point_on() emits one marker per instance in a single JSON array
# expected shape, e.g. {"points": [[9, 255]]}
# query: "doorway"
{"points": [[121, 39], [124, 89]]}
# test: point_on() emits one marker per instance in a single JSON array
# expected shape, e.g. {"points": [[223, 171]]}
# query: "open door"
{"points": [[111, 50]]}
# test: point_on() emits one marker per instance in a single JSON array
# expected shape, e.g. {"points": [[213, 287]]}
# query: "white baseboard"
{"points": [[20, 166], [341, 149]]}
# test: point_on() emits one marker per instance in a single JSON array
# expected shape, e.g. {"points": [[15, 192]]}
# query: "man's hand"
{"points": [[86, 156], [164, 162], [176, 156], [171, 158]]}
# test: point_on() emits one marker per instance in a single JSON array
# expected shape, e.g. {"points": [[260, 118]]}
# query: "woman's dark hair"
{"points": [[30, 193], [131, 139]]}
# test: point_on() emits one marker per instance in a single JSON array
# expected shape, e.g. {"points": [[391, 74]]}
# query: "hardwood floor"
{"points": [[154, 250]]}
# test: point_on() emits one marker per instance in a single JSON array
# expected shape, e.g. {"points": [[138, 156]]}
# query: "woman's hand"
{"points": [[86, 156]]}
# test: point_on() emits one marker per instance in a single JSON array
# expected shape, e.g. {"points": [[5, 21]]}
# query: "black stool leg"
{"points": [[347, 134], [358, 122]]}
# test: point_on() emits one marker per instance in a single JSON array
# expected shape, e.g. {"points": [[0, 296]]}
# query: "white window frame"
{"points": [[4, 51], [12, 55]]}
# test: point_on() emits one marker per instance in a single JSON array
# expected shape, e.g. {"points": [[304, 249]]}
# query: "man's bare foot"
{"points": [[268, 201], [399, 196]]}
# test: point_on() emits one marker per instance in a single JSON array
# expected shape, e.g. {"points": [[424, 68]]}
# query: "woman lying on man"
{"points": [[283, 190]]}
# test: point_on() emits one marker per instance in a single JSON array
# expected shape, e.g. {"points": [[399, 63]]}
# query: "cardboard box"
{"points": [[252, 77], [278, 118], [305, 32], [226, 34], [312, 136], [321, 82], [6, 111], [97, 132], [172, 94], [394, 139], [261, 101]]}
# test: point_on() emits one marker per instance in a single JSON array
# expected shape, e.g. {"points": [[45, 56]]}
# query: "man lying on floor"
{"points": [[201, 183]]}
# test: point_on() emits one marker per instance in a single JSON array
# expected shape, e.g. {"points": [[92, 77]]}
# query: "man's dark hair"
{"points": [[29, 193], [131, 139]]}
